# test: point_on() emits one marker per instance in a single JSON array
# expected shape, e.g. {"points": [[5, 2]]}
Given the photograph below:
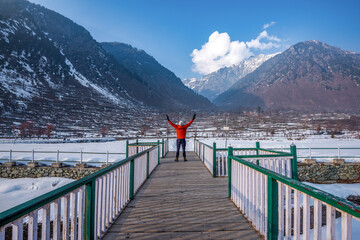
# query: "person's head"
{"points": [[181, 123]]}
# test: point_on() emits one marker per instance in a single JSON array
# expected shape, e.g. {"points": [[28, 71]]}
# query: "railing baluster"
{"points": [[17, 230], [281, 206], [317, 219], [99, 207], [65, 218], [56, 220], [288, 211], [306, 217], [45, 226], [345, 226], [330, 222], [296, 214], [73, 214], [81, 194], [33, 226]]}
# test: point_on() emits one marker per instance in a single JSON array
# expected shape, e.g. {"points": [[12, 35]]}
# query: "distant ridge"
{"points": [[309, 76]]}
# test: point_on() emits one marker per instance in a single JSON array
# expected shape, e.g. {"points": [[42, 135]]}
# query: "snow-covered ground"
{"points": [[120, 147], [16, 191], [313, 142]]}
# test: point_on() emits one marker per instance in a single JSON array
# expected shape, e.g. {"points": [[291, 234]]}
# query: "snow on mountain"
{"points": [[215, 83]]}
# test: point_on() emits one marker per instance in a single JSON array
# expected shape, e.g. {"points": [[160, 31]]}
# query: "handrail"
{"points": [[24, 208], [218, 165], [330, 199], [99, 199], [265, 197], [30, 151]]}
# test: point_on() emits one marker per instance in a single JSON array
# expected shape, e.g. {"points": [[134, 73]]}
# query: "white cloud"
{"points": [[257, 44], [221, 52], [268, 24]]}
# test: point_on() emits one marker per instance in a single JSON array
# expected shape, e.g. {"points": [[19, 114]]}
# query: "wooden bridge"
{"points": [[233, 193], [181, 200]]}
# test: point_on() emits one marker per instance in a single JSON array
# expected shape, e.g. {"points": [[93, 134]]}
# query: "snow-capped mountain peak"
{"points": [[215, 83]]}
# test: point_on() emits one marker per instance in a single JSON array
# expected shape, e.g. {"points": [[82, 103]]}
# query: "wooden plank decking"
{"points": [[181, 201]]}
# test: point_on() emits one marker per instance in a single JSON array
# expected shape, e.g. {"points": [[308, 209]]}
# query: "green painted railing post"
{"points": [[214, 159], [257, 144], [137, 146], [147, 164], [158, 151], [89, 210], [127, 148], [294, 162], [272, 209], [203, 155], [163, 148], [131, 189], [230, 154]]}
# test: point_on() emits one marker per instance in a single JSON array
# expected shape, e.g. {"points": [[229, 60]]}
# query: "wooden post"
{"points": [[127, 148], [272, 209], [230, 154], [294, 162], [89, 210], [214, 159], [131, 179], [147, 164], [158, 151], [137, 147], [163, 148], [257, 144]]}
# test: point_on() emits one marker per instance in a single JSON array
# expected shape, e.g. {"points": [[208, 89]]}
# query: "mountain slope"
{"points": [[215, 83], [163, 81], [50, 65], [309, 76]]}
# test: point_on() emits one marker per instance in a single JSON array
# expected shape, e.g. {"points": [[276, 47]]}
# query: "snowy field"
{"points": [[119, 147], [16, 191], [312, 142]]}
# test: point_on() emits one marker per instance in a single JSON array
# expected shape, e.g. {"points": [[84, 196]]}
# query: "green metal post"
{"points": [[137, 147], [158, 151], [127, 148], [257, 162], [203, 155], [272, 209], [257, 144], [89, 210], [163, 148], [230, 154], [214, 159], [294, 162], [132, 179], [147, 164]]}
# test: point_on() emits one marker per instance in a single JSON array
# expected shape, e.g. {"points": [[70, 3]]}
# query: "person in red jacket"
{"points": [[181, 135]]}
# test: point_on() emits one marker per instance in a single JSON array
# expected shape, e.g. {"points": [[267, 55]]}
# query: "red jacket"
{"points": [[181, 130]]}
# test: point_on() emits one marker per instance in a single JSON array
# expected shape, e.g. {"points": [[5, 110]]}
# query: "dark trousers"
{"points": [[178, 143]]}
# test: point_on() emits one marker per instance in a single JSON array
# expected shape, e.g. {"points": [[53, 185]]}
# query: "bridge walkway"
{"points": [[181, 200]]}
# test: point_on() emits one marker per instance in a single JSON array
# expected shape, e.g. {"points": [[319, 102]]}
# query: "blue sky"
{"points": [[170, 30]]}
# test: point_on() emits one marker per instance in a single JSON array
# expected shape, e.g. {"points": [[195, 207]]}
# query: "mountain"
{"points": [[166, 84], [51, 66], [213, 84], [309, 76]]}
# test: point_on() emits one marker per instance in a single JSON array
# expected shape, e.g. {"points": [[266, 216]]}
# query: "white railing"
{"points": [[85, 207], [58, 156], [208, 157], [287, 204], [279, 162], [222, 159]]}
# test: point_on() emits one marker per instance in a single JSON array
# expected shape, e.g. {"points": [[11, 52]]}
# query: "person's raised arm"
{"points": [[192, 120], [170, 121]]}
